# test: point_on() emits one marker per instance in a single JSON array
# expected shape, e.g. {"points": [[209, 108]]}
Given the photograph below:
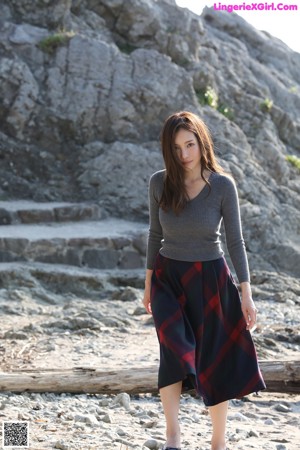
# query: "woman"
{"points": [[202, 324]]}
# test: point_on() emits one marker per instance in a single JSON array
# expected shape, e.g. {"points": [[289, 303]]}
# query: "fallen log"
{"points": [[280, 376]]}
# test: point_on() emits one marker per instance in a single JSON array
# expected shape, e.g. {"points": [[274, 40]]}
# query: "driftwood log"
{"points": [[280, 376]]}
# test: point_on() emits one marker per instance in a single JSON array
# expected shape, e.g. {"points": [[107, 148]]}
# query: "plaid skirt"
{"points": [[201, 330]]}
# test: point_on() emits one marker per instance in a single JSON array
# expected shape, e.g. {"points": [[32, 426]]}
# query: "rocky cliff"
{"points": [[85, 87]]}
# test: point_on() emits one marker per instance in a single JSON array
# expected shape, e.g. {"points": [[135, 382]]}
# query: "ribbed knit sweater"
{"points": [[194, 234]]}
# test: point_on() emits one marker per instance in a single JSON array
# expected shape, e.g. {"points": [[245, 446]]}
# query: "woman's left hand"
{"points": [[249, 311]]}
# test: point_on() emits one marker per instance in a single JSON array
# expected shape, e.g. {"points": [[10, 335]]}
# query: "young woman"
{"points": [[202, 324]]}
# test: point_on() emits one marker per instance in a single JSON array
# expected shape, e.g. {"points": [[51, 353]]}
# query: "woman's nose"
{"points": [[184, 153]]}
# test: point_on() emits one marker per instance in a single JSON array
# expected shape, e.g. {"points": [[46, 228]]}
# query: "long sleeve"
{"points": [[233, 231], [155, 235]]}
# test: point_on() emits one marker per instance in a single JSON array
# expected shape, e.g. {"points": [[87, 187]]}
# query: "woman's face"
{"points": [[188, 150]]}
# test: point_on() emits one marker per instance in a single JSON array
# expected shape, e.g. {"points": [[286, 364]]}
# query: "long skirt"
{"points": [[201, 330]]}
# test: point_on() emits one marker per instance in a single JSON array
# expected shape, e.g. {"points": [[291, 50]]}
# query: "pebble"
{"points": [[196, 418], [106, 418], [122, 399], [61, 445], [121, 432], [150, 424], [37, 406], [238, 416], [79, 418], [282, 408], [15, 335], [152, 444], [186, 420], [269, 422], [253, 433], [139, 311], [91, 420], [104, 402]]}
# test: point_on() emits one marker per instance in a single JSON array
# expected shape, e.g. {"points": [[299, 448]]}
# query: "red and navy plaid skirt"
{"points": [[201, 330]]}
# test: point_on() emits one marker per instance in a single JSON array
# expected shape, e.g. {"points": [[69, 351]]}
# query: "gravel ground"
{"points": [[46, 328]]}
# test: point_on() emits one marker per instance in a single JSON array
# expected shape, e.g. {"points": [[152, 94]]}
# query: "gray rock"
{"points": [[253, 433], [127, 294], [75, 323], [104, 402], [53, 16], [91, 420], [139, 311], [152, 444], [122, 399], [132, 192], [62, 445], [282, 408], [23, 96], [37, 406], [79, 418], [121, 432], [106, 418], [11, 334], [269, 422], [27, 34], [150, 424], [239, 417]]}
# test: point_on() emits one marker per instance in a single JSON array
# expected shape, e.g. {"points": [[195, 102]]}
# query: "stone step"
{"points": [[106, 244], [28, 212], [64, 279]]}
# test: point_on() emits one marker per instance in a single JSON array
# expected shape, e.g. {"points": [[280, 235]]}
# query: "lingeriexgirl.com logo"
{"points": [[255, 7]]}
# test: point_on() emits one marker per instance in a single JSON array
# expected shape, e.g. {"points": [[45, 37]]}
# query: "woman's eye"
{"points": [[190, 144]]}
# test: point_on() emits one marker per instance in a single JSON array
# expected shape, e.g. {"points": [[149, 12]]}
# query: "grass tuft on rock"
{"points": [[266, 105], [54, 41], [294, 160], [208, 96]]}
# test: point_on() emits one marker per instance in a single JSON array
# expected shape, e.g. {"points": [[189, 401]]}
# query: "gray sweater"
{"points": [[194, 234]]}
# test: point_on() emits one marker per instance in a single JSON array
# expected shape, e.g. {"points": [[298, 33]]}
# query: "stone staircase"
{"points": [[70, 238]]}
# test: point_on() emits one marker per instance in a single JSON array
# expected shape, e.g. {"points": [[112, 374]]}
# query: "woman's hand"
{"points": [[146, 300], [249, 311], [248, 307]]}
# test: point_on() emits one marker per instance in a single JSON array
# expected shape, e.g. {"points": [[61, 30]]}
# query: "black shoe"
{"points": [[171, 448]]}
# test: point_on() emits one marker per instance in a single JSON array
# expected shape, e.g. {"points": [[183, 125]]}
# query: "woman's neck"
{"points": [[193, 176]]}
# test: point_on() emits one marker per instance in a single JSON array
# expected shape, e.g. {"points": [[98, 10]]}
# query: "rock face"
{"points": [[85, 87]]}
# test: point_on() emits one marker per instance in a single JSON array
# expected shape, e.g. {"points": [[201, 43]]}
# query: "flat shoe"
{"points": [[171, 448]]}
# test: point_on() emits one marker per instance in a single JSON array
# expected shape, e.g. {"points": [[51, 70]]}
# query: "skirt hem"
{"points": [[186, 389]]}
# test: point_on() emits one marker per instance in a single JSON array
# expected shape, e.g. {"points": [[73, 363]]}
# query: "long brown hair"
{"points": [[174, 193]]}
